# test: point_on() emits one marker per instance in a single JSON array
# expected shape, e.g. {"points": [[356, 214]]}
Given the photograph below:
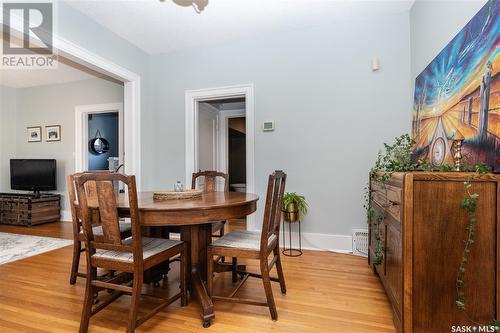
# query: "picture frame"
{"points": [[34, 134], [53, 133]]}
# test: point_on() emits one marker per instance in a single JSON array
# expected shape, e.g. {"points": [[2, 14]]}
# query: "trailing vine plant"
{"points": [[398, 158], [394, 158]]}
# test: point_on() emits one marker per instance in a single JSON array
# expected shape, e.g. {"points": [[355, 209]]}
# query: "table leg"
{"points": [[198, 237]]}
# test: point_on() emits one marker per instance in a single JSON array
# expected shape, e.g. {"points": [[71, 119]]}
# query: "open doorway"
{"points": [[104, 147], [221, 103], [99, 137], [221, 143], [236, 153]]}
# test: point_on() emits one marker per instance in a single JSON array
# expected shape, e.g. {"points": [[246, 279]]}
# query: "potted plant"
{"points": [[294, 207]]}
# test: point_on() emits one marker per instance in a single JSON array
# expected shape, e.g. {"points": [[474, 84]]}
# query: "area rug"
{"points": [[15, 247]]}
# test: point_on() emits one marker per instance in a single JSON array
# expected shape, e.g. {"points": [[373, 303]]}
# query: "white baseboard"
{"points": [[66, 216], [320, 242]]}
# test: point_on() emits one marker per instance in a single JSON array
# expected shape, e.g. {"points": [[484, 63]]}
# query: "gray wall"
{"points": [[7, 134], [55, 105], [332, 112], [433, 26]]}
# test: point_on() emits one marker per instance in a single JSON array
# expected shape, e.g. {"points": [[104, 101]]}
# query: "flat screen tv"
{"points": [[33, 175]]}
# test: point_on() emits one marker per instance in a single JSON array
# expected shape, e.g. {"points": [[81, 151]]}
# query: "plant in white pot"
{"points": [[294, 207]]}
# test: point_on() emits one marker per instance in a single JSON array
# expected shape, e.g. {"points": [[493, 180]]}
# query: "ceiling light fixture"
{"points": [[198, 5]]}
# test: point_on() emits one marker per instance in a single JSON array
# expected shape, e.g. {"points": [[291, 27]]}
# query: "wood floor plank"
{"points": [[327, 292]]}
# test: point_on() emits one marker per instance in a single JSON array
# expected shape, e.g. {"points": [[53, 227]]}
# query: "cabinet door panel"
{"points": [[394, 264], [439, 231], [373, 242]]}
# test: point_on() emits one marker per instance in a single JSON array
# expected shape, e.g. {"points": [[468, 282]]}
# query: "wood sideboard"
{"points": [[28, 209], [423, 235]]}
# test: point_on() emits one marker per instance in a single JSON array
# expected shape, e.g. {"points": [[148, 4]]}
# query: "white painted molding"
{"points": [[66, 216], [132, 92], [319, 242], [81, 131], [192, 97]]}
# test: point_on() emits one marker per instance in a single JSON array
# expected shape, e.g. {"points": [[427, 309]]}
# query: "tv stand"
{"points": [[29, 209]]}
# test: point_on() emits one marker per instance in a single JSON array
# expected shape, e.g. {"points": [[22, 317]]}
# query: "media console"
{"points": [[29, 209]]}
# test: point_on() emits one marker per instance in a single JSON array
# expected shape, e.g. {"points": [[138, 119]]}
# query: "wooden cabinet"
{"points": [[422, 233], [29, 210]]}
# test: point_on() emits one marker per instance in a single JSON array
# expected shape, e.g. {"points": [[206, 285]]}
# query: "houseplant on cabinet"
{"points": [[398, 158]]}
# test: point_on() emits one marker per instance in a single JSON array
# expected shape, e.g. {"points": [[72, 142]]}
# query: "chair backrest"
{"points": [[75, 211], [210, 180], [272, 211], [105, 202]]}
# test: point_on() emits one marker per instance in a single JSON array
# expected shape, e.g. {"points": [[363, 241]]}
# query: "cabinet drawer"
{"points": [[389, 197]]}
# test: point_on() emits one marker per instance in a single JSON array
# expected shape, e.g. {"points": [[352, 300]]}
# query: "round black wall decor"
{"points": [[98, 145]]}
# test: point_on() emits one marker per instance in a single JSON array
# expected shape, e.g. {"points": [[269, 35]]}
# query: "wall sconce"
{"points": [[375, 64]]}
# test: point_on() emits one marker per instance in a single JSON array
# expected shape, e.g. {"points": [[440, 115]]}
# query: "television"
{"points": [[33, 175]]}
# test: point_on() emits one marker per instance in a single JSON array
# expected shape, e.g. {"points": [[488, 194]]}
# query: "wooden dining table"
{"points": [[193, 218]]}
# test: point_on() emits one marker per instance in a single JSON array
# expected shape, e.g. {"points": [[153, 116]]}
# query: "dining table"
{"points": [[193, 218]]}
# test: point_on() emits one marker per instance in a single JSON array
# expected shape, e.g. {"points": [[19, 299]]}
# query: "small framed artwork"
{"points": [[53, 133], [34, 134]]}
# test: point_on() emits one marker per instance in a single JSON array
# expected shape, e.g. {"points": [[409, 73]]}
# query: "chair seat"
{"points": [[242, 239], [97, 230], [150, 247]]}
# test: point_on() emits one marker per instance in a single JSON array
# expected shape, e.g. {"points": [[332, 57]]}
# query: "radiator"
{"points": [[360, 242]]}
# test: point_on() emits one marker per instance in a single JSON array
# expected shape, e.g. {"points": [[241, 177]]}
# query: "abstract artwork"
{"points": [[457, 96]]}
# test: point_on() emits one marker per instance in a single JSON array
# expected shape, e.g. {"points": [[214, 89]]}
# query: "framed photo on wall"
{"points": [[53, 133], [34, 134]]}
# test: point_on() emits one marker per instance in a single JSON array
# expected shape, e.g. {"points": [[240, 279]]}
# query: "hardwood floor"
{"points": [[327, 292]]}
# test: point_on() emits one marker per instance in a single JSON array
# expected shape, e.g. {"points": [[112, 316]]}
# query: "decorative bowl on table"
{"points": [[176, 195]]}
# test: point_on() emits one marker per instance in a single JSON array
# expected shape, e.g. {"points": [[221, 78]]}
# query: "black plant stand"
{"points": [[291, 251]]}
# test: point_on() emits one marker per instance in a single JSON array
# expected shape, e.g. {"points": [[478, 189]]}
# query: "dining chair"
{"points": [[130, 256], [78, 237], [255, 245], [210, 185]]}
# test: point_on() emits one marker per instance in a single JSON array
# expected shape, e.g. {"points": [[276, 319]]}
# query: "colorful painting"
{"points": [[457, 96]]}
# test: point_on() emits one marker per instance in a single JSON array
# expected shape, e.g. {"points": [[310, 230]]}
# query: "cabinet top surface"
{"points": [[451, 176]]}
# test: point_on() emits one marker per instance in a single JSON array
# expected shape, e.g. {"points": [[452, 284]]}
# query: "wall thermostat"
{"points": [[268, 126]]}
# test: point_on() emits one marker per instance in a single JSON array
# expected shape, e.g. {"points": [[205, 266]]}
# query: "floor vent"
{"points": [[360, 242]]}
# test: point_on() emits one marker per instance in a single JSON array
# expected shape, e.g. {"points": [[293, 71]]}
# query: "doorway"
{"points": [[104, 147], [104, 121], [221, 143], [207, 134], [236, 153]]}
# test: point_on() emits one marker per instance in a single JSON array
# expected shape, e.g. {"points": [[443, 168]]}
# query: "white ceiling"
{"points": [[161, 27]]}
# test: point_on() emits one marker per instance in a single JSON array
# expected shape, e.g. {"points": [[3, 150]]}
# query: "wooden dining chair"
{"points": [[210, 185], [255, 245], [78, 237], [130, 256]]}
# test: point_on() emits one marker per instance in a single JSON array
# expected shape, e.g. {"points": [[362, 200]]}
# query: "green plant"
{"points": [[297, 199], [395, 157], [470, 204]]}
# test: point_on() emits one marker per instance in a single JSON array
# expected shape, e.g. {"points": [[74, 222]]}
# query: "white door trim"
{"points": [[192, 97], [132, 92], [81, 131]]}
